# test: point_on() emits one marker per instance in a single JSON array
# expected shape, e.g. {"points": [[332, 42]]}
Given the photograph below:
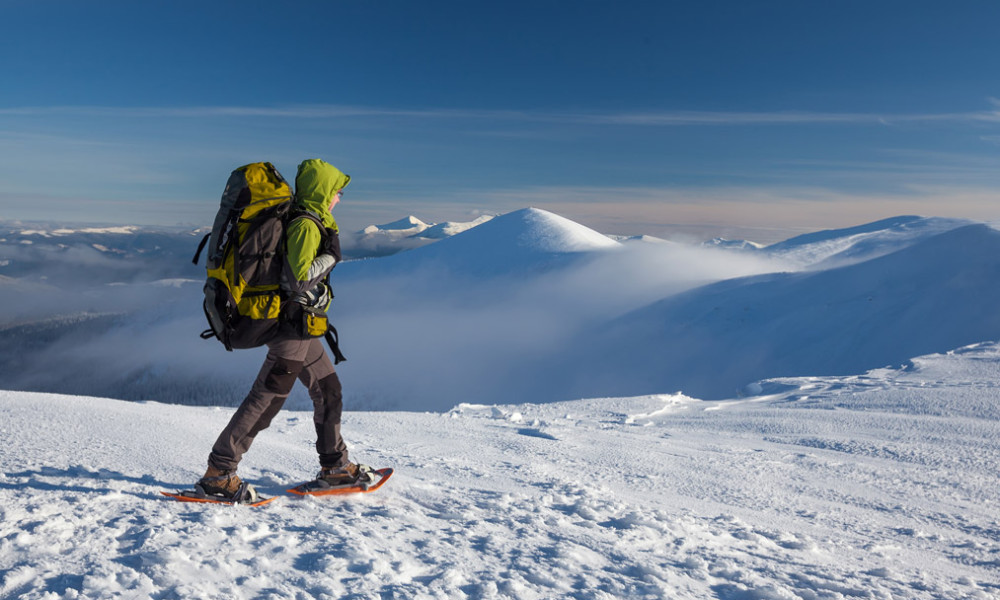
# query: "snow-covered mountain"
{"points": [[533, 306], [732, 244], [447, 229], [836, 247], [523, 241], [875, 486], [937, 294], [405, 234]]}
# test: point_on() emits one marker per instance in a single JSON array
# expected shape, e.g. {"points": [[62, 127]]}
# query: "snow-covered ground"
{"points": [[767, 462], [882, 485]]}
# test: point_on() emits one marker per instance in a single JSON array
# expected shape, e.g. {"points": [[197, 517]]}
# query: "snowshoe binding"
{"points": [[349, 479], [221, 487]]}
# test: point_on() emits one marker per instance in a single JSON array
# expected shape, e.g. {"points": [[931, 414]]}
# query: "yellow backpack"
{"points": [[245, 257]]}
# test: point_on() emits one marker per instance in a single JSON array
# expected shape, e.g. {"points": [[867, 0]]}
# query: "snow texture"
{"points": [[881, 485]]}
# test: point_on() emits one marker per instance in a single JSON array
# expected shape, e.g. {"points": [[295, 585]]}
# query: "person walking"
{"points": [[313, 250]]}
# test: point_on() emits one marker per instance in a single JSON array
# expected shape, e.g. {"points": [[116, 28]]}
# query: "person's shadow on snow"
{"points": [[83, 480]]}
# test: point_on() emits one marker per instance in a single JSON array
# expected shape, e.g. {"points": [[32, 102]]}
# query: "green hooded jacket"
{"points": [[316, 182]]}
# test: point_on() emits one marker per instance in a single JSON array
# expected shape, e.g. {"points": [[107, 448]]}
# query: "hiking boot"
{"points": [[217, 482], [344, 475]]}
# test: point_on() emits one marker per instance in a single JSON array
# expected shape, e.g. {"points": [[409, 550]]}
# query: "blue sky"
{"points": [[631, 117]]}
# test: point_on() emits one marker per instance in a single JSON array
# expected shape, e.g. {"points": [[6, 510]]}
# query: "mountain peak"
{"points": [[545, 231], [404, 224], [525, 240]]}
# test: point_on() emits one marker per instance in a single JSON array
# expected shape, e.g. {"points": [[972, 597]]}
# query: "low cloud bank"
{"points": [[492, 319], [430, 339], [420, 339]]}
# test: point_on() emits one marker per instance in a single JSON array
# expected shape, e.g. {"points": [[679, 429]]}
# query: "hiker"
{"points": [[312, 251]]}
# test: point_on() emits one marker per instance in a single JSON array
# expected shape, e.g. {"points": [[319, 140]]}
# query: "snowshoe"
{"points": [[357, 480], [221, 487], [246, 495], [345, 475]]}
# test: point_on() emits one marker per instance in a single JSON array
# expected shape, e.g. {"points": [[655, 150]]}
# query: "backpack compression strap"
{"points": [[201, 247], [333, 340]]}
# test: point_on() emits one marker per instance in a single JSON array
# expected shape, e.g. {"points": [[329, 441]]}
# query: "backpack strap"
{"points": [[331, 335], [299, 213], [201, 247], [333, 340]]}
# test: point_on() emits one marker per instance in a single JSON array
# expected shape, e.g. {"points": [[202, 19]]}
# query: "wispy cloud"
{"points": [[323, 111], [689, 118], [163, 157], [667, 118]]}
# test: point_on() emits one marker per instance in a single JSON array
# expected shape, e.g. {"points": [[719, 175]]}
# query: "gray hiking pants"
{"points": [[287, 360]]}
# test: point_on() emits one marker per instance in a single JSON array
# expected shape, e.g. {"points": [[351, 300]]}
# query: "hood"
{"points": [[315, 184]]}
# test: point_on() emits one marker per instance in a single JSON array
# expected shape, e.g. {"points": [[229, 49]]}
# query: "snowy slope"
{"points": [[935, 295], [874, 486], [837, 247]]}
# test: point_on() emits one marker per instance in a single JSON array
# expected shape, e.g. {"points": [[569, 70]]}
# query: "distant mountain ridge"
{"points": [[833, 247], [932, 296], [123, 253], [405, 234], [839, 246], [528, 304], [28, 250]]}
